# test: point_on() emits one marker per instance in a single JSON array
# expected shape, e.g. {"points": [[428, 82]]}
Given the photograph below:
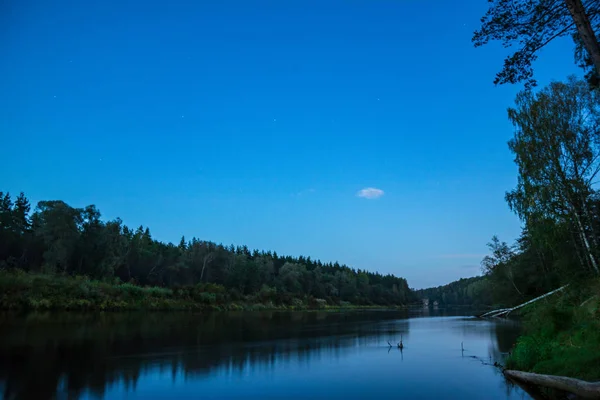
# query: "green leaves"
{"points": [[556, 148], [64, 240]]}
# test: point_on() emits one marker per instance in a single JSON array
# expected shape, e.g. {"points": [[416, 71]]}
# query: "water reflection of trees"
{"points": [[503, 334], [45, 355]]}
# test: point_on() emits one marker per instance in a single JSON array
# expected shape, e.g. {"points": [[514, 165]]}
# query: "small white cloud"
{"points": [[370, 193]]}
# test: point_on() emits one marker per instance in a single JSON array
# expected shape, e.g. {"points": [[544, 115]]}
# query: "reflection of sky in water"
{"points": [[356, 365]]}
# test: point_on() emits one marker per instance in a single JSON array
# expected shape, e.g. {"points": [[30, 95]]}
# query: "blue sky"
{"points": [[258, 123]]}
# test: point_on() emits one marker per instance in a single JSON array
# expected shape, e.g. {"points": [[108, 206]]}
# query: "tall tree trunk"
{"points": [[207, 258], [590, 222], [510, 277], [584, 28], [576, 245], [586, 244]]}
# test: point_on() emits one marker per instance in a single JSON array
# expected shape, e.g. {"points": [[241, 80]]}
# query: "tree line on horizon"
{"points": [[59, 239], [472, 291]]}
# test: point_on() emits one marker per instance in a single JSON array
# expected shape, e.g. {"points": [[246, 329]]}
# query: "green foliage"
{"points": [[61, 241], [35, 291], [556, 145], [208, 298], [557, 151], [267, 294], [562, 337], [298, 304], [32, 291], [464, 292]]}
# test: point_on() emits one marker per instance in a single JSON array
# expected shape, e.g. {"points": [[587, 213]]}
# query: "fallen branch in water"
{"points": [[482, 361], [587, 390], [506, 311]]}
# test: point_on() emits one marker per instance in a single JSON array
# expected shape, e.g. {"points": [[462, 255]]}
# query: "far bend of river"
{"points": [[262, 355]]}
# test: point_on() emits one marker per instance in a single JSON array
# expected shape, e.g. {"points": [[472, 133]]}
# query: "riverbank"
{"points": [[561, 334], [29, 291]]}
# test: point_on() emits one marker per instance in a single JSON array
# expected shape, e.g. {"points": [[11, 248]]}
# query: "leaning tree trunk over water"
{"points": [[584, 389], [506, 311]]}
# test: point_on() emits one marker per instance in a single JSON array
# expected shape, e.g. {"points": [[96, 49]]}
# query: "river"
{"points": [[263, 355]]}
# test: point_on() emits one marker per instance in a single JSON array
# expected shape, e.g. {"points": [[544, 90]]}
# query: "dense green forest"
{"points": [[59, 240], [463, 292]]}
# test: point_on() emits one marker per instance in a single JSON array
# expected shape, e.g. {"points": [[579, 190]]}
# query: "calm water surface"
{"points": [[267, 355]]}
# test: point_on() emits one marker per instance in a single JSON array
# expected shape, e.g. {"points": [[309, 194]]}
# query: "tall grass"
{"points": [[562, 335]]}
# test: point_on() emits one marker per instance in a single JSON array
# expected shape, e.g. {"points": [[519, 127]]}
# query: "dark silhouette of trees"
{"points": [[59, 239]]}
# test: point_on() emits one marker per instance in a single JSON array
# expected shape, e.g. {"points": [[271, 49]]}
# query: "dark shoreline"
{"points": [[41, 292]]}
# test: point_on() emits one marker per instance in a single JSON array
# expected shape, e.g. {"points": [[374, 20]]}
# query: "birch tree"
{"points": [[557, 149]]}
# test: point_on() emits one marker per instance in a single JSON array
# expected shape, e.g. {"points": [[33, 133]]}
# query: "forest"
{"points": [[120, 267], [463, 292]]}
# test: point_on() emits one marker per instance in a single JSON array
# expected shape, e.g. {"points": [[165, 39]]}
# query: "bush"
{"points": [[562, 338], [235, 295], [267, 294], [208, 298], [214, 288], [131, 290], [298, 304], [526, 354], [159, 292], [20, 290], [320, 303]]}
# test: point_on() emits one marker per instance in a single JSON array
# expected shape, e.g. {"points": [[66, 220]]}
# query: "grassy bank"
{"points": [[562, 335], [28, 291]]}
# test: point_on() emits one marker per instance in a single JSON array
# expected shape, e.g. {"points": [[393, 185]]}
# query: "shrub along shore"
{"points": [[562, 334], [31, 291]]}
